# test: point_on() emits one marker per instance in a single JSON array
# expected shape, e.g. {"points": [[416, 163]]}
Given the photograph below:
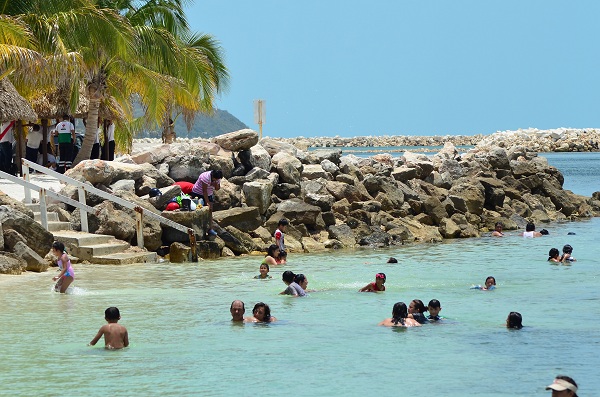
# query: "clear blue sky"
{"points": [[354, 68]]}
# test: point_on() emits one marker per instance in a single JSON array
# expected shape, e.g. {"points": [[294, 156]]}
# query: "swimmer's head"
{"points": [[399, 310], [567, 249], [530, 227], [434, 307], [553, 253], [288, 277], [273, 250], [392, 260], [112, 314], [514, 320], [264, 268], [301, 280], [417, 306], [490, 281], [499, 226], [262, 312]]}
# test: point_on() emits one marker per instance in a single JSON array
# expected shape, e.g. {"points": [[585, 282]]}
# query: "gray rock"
{"points": [[343, 234], [34, 234], [35, 263], [258, 194], [11, 264], [244, 219], [237, 140], [288, 167]]}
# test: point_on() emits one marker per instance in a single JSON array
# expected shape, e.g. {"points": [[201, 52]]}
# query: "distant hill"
{"points": [[221, 122]]}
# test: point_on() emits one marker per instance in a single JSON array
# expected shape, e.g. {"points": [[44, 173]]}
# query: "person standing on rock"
{"points": [[208, 182], [279, 237]]}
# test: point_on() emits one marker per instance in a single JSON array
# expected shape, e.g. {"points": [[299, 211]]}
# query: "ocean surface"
{"points": [[328, 343]]}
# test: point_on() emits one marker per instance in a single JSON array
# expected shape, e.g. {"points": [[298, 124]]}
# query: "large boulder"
{"points": [[300, 213], [105, 172], [468, 197], [258, 194], [258, 157], [115, 222], [288, 167], [315, 171], [35, 263], [342, 233], [237, 140], [17, 205], [34, 234], [341, 190], [11, 263], [273, 147], [187, 168], [243, 218]]}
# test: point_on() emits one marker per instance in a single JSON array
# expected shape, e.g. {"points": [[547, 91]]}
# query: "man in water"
{"points": [[237, 310], [498, 230]]}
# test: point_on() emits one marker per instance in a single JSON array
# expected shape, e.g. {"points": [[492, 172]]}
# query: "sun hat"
{"points": [[562, 385]]}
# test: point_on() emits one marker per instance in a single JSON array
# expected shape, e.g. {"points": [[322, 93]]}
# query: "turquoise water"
{"points": [[327, 344]]}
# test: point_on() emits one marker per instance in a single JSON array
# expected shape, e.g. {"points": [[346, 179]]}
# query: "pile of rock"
{"points": [[544, 141], [332, 201]]}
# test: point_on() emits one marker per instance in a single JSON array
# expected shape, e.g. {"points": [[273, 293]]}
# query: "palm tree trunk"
{"points": [[91, 127]]}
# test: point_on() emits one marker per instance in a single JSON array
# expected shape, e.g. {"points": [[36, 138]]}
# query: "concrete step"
{"points": [[58, 226], [52, 217], [96, 250], [126, 258], [74, 237]]}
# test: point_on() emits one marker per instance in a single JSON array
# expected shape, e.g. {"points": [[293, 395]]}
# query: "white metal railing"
{"points": [[82, 188], [43, 193]]}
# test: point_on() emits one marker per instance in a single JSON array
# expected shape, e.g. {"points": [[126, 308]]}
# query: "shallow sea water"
{"points": [[327, 344]]}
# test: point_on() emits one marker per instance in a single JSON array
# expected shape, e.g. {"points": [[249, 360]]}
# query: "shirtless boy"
{"points": [[115, 335]]}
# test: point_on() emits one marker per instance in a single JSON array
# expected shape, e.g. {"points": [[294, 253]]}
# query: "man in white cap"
{"points": [[563, 386]]}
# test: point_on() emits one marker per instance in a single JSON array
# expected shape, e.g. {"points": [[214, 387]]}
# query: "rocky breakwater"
{"points": [[335, 201], [383, 141], [332, 201], [543, 141]]}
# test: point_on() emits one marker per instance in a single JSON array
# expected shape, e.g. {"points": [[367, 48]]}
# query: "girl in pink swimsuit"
{"points": [[66, 275]]}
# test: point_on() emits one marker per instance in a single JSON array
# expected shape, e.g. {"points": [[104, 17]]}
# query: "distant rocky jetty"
{"points": [[541, 141], [331, 200]]}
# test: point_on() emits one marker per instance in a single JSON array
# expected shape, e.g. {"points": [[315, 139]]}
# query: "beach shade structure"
{"points": [[54, 104], [12, 105]]}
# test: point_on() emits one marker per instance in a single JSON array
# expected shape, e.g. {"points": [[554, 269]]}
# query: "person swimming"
{"points": [[377, 286], [434, 308], [554, 255], [567, 252], [416, 310], [530, 231], [400, 317], [264, 272], [490, 284], [514, 320]]}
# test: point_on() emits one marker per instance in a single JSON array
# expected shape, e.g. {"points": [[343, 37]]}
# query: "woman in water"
{"points": [[262, 313], [567, 252], [514, 320], [264, 272], [400, 317], [377, 286], [293, 288], [530, 231], [66, 275], [416, 308], [272, 257]]}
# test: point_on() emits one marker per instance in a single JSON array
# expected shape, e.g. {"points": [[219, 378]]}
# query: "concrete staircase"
{"points": [[95, 248]]}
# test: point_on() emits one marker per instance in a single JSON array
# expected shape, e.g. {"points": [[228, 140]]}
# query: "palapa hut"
{"points": [[14, 107]]}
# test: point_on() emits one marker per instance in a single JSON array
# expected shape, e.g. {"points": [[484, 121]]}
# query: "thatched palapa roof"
{"points": [[12, 105], [55, 104]]}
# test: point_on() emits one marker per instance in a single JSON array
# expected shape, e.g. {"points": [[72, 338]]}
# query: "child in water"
{"points": [[115, 335], [416, 308], [514, 320], [554, 255], [377, 286], [66, 275], [264, 272], [434, 308], [490, 284], [567, 252]]}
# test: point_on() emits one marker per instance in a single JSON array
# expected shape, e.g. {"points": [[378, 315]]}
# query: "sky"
{"points": [[398, 67]]}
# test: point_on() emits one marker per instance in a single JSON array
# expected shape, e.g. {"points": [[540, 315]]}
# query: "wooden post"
{"points": [[193, 245], [139, 226], [45, 141]]}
